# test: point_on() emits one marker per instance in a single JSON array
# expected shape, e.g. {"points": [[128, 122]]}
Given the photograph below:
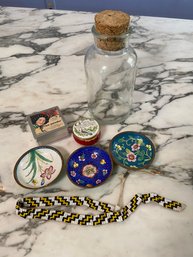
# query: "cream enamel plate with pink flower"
{"points": [[132, 150], [38, 167]]}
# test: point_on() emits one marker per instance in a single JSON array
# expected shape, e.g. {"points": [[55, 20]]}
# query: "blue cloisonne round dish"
{"points": [[89, 166], [132, 150]]}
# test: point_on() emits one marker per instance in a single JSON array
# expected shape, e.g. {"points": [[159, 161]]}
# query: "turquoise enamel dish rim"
{"points": [[136, 152]]}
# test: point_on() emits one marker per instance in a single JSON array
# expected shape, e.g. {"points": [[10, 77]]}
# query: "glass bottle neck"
{"points": [[111, 53]]}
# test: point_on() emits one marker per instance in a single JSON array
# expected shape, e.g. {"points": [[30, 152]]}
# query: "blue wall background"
{"points": [[24, 3], [162, 8]]}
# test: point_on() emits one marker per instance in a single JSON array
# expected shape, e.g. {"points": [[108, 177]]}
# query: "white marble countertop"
{"points": [[42, 65]]}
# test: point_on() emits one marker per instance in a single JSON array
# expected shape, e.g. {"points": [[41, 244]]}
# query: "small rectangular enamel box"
{"points": [[48, 125]]}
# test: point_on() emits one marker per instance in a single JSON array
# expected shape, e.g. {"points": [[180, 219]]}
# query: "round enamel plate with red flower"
{"points": [[132, 150], [38, 167], [89, 166]]}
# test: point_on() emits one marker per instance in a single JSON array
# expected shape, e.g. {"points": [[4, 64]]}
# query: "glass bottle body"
{"points": [[110, 83]]}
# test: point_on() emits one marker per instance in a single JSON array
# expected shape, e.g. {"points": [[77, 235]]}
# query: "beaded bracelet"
{"points": [[28, 207]]}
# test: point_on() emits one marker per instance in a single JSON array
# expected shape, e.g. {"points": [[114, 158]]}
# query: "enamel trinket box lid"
{"points": [[86, 131]]}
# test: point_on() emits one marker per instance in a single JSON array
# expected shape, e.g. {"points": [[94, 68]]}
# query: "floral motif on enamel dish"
{"points": [[98, 181], [38, 169], [47, 173], [94, 155], [89, 171], [135, 147], [73, 173], [131, 157], [104, 172], [132, 151], [80, 182], [102, 162], [75, 164], [81, 158]]}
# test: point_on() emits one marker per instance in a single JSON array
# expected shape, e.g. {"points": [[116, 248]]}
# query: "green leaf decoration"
{"points": [[125, 162], [28, 165], [132, 138], [88, 130], [42, 157], [127, 150], [32, 159], [32, 168], [121, 140], [33, 176], [140, 141], [32, 164]]}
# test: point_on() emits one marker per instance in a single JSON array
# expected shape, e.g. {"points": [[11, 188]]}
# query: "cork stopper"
{"points": [[110, 27]]}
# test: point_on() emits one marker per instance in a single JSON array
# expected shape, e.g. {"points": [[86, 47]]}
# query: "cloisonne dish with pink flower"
{"points": [[89, 166], [132, 150], [38, 167]]}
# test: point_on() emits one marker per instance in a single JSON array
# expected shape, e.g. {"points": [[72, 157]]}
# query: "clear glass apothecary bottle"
{"points": [[110, 67]]}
